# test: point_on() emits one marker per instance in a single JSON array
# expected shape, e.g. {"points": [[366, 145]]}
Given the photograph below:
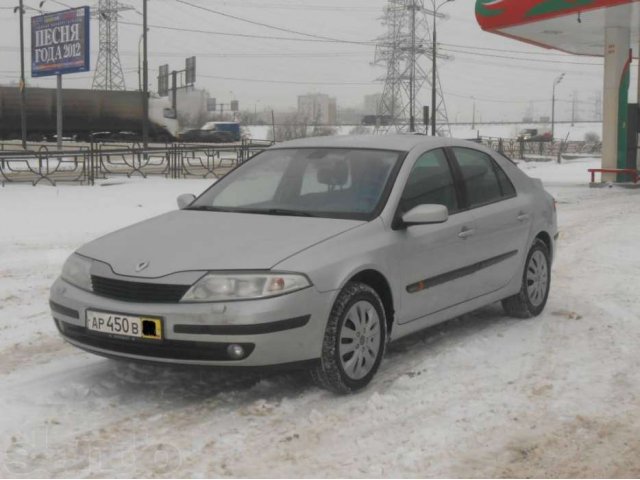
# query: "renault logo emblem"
{"points": [[141, 266]]}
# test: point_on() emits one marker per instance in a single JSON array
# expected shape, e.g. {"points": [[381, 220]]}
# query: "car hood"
{"points": [[199, 240]]}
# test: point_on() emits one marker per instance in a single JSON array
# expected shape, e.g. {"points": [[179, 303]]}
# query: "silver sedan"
{"points": [[316, 253]]}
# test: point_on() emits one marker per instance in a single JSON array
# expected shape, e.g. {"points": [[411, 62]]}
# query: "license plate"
{"points": [[125, 325]]}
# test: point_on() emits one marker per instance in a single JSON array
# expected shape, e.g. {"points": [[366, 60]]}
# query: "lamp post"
{"points": [[434, 66], [556, 82]]}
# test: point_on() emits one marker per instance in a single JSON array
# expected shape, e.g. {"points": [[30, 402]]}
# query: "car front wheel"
{"points": [[536, 281], [354, 341]]}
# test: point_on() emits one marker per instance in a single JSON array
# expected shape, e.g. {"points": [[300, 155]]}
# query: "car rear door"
{"points": [[502, 220]]}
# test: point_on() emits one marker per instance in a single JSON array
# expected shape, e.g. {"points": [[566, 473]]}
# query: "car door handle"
{"points": [[523, 217], [466, 232]]}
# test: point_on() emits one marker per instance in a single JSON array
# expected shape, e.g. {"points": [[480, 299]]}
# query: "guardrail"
{"points": [[86, 164]]}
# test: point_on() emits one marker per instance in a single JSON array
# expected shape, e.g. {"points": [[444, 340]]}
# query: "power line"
{"points": [[504, 50], [537, 60], [265, 25], [284, 82], [243, 35], [308, 7]]}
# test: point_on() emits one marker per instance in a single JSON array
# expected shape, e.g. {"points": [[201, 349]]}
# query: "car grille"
{"points": [[136, 291]]}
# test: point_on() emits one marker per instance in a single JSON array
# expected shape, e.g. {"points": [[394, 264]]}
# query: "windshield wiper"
{"points": [[275, 211], [259, 211], [284, 211], [207, 208]]}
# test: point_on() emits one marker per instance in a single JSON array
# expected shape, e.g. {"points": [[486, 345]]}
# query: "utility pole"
{"points": [[434, 66], [145, 79], [473, 121], [412, 80], [434, 74], [23, 100], [574, 105], [556, 82]]}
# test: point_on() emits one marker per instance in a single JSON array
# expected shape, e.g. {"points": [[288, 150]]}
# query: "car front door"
{"points": [[502, 221], [430, 260]]}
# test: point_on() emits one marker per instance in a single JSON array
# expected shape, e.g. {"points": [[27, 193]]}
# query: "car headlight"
{"points": [[215, 287], [76, 271]]}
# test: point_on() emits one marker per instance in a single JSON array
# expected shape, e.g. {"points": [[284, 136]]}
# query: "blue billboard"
{"points": [[60, 42]]}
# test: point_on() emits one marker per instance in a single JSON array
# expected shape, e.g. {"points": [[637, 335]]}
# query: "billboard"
{"points": [[60, 42]]}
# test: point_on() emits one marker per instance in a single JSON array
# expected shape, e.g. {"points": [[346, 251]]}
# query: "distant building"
{"points": [[318, 109], [372, 104]]}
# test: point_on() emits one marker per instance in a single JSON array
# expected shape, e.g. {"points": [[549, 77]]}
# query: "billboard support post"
{"points": [[23, 109], [59, 111]]}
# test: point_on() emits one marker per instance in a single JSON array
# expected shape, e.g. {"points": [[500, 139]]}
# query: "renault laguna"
{"points": [[316, 253]]}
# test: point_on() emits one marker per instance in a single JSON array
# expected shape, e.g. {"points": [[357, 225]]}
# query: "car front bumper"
{"points": [[276, 331]]}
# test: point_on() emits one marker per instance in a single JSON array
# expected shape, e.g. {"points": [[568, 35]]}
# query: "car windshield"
{"points": [[313, 182]]}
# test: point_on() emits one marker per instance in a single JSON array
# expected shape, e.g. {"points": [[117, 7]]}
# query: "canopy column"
{"points": [[617, 62]]}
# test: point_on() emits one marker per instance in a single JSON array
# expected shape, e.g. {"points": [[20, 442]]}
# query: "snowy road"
{"points": [[483, 395]]}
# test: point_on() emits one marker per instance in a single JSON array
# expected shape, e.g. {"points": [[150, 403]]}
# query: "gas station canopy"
{"points": [[572, 26], [602, 28]]}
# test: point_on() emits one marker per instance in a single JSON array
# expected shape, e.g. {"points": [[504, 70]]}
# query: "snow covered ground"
{"points": [[563, 131], [480, 396]]}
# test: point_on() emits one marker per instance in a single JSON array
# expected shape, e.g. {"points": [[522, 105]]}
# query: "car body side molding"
{"points": [[458, 273]]}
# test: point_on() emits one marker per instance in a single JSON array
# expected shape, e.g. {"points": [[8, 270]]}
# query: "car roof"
{"points": [[402, 143]]}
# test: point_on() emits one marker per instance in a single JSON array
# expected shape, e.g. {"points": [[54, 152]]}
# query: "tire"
{"points": [[536, 282], [354, 341]]}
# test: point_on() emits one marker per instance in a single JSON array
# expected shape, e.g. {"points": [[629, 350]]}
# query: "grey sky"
{"points": [[488, 67]]}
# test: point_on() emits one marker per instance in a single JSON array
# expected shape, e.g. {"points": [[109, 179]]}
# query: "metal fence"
{"points": [[95, 161], [523, 149]]}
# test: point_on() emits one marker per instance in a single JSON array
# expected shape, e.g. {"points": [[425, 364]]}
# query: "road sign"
{"points": [[163, 81], [190, 71]]}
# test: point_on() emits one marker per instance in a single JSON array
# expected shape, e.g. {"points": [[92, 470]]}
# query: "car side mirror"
{"points": [[426, 214], [185, 200]]}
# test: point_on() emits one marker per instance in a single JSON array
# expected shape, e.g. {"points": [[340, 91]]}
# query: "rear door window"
{"points": [[483, 180]]}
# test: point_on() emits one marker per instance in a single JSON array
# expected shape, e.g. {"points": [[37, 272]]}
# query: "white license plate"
{"points": [[125, 325]]}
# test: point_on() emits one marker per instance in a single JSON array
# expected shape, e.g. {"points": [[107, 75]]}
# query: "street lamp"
{"points": [[556, 82], [434, 66]]}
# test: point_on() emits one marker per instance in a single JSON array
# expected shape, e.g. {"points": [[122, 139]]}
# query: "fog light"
{"points": [[236, 352]]}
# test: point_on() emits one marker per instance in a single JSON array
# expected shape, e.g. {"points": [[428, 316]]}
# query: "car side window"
{"points": [[480, 177], [430, 182], [506, 186]]}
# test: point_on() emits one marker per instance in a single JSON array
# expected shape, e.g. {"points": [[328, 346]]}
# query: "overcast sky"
{"points": [[503, 75]]}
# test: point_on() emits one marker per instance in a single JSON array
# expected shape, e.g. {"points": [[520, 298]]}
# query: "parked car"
{"points": [[205, 136], [316, 253], [534, 135], [231, 128]]}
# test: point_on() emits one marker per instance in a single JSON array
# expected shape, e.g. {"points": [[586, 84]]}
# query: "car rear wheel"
{"points": [[354, 341], [536, 281]]}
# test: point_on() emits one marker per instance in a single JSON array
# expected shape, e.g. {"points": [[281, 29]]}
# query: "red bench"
{"points": [[634, 174]]}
